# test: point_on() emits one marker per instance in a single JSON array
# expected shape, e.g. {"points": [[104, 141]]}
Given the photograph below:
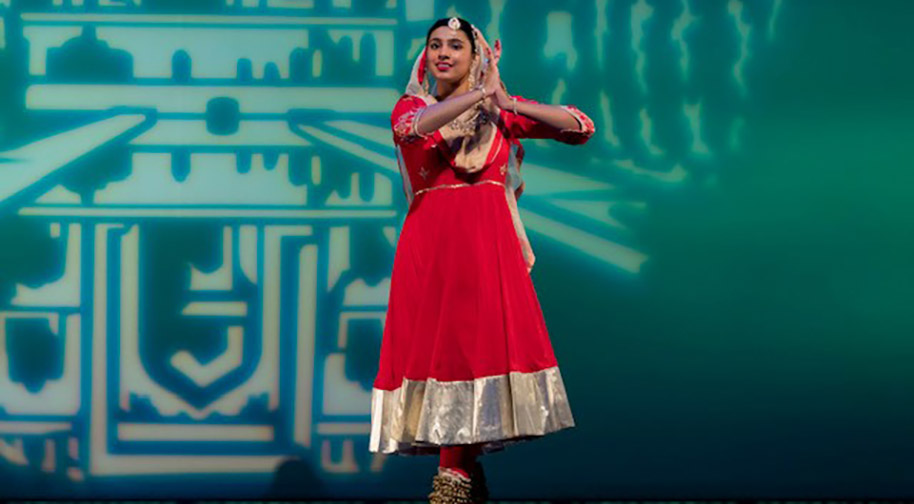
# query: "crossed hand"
{"points": [[491, 78]]}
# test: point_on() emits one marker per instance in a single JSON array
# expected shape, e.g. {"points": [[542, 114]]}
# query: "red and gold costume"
{"points": [[465, 355]]}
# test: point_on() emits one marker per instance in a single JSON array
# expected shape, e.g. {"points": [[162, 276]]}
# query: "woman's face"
{"points": [[448, 54]]}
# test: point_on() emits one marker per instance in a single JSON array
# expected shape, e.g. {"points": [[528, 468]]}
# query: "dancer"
{"points": [[466, 363]]}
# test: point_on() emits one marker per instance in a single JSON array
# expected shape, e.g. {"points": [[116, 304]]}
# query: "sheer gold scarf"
{"points": [[470, 135]]}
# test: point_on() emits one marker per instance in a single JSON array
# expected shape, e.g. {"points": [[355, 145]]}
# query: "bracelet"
{"points": [[514, 104], [483, 89]]}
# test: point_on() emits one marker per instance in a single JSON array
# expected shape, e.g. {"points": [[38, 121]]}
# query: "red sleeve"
{"points": [[403, 121], [521, 126]]}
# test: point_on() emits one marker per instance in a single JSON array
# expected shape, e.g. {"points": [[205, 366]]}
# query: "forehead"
{"points": [[445, 34]]}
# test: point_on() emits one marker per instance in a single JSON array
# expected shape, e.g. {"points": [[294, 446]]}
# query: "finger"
{"points": [[481, 38], [493, 55]]}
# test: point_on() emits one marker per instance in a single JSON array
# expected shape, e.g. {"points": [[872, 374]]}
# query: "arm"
{"points": [[552, 115], [439, 114], [565, 123], [413, 119]]}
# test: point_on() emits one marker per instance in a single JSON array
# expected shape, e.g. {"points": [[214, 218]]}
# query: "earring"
{"points": [[471, 80]]}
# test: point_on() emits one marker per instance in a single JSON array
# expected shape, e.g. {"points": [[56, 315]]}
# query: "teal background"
{"points": [[724, 268]]}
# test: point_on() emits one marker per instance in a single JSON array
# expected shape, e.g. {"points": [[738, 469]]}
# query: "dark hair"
{"points": [[465, 27]]}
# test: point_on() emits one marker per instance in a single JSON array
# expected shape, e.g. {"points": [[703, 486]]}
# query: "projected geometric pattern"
{"points": [[200, 204]]}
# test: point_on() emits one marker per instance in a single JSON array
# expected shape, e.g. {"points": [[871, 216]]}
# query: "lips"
{"points": [[443, 66]]}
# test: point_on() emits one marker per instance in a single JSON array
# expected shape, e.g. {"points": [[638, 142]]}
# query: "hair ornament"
{"points": [[453, 23]]}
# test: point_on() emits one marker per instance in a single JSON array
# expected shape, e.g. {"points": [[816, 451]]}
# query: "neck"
{"points": [[449, 89]]}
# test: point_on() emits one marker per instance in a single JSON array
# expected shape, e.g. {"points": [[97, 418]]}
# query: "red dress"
{"points": [[465, 355]]}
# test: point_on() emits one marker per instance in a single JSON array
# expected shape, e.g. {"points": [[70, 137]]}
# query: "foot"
{"points": [[451, 487], [480, 491]]}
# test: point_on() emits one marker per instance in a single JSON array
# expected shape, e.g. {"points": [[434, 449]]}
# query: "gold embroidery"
{"points": [[587, 127], [468, 125], [454, 186], [405, 126], [415, 129], [423, 173]]}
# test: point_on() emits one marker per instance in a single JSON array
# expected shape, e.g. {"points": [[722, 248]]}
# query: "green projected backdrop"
{"points": [[200, 203]]}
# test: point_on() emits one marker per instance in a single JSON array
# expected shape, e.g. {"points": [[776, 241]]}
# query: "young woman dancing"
{"points": [[466, 363]]}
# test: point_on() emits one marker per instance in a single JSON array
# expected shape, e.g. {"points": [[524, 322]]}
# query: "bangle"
{"points": [[514, 104], [415, 125], [483, 89]]}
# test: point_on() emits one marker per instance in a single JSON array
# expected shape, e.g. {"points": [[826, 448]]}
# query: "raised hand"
{"points": [[491, 76]]}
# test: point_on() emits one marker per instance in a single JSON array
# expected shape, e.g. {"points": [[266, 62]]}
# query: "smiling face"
{"points": [[449, 55]]}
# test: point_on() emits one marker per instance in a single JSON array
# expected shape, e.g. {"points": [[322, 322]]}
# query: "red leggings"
{"points": [[460, 458]]}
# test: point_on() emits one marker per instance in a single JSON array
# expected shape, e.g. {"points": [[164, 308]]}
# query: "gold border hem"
{"points": [[419, 417]]}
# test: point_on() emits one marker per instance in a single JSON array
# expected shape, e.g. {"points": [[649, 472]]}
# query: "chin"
{"points": [[449, 79]]}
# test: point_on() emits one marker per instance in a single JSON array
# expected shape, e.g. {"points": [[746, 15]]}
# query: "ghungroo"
{"points": [[450, 487]]}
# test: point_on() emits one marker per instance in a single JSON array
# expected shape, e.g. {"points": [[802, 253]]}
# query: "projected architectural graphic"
{"points": [[199, 206]]}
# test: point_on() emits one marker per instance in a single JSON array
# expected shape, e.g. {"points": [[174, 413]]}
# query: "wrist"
{"points": [[504, 99], [483, 93]]}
